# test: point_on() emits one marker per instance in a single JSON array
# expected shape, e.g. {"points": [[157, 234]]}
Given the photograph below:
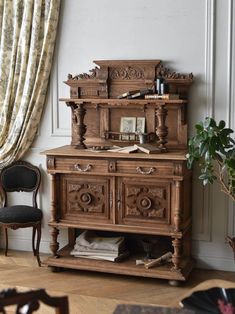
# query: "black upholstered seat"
{"points": [[20, 214], [21, 176]]}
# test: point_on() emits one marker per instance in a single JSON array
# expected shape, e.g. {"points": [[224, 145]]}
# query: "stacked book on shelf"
{"points": [[139, 93], [162, 96], [148, 93], [90, 245]]}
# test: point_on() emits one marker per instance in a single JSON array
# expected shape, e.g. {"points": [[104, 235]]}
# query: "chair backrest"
{"points": [[20, 176], [29, 301]]}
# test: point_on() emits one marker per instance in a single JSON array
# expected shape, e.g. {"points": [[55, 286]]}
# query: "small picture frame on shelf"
{"points": [[128, 125], [140, 125]]}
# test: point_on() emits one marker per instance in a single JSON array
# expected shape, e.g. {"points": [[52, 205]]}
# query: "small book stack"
{"points": [[163, 96], [89, 245], [139, 93], [147, 148]]}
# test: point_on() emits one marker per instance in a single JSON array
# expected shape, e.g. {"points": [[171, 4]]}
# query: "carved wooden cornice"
{"points": [[129, 72]]}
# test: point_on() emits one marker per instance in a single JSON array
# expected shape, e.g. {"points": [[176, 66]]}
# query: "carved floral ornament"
{"points": [[127, 73]]}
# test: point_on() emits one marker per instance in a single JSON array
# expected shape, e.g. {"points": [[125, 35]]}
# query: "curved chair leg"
{"points": [[6, 241], [38, 227], [33, 240]]}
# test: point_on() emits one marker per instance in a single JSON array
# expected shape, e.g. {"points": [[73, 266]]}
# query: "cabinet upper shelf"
{"points": [[124, 102], [98, 104], [114, 77]]}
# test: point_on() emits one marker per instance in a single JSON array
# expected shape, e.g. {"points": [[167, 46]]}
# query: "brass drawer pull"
{"points": [[80, 169], [139, 170]]}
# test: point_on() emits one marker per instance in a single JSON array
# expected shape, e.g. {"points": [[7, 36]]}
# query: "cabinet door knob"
{"points": [[84, 169], [141, 171]]}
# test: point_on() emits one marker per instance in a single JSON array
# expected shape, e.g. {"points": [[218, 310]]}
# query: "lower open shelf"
{"points": [[125, 267]]}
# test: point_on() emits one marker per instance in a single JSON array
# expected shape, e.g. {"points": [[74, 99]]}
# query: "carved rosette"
{"points": [[127, 73], [86, 198], [146, 202]]}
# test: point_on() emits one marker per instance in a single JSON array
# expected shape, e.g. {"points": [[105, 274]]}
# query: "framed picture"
{"points": [[140, 125], [128, 125]]}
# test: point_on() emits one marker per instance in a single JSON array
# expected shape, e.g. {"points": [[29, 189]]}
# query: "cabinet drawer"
{"points": [[148, 168], [80, 165]]}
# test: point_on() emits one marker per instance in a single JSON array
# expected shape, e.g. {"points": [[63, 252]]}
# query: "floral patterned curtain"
{"points": [[27, 39]]}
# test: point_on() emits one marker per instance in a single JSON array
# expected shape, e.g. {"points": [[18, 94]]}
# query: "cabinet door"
{"points": [[86, 199], [144, 202]]}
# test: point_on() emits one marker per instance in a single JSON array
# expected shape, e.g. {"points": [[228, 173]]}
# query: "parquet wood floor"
{"points": [[96, 293]]}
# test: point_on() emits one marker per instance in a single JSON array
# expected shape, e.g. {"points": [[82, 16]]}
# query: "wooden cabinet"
{"points": [[134, 194]]}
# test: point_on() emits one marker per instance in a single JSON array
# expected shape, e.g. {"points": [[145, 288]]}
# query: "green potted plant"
{"points": [[214, 148]]}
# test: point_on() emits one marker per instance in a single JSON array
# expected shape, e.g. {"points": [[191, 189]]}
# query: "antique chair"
{"points": [[28, 302], [21, 176]]}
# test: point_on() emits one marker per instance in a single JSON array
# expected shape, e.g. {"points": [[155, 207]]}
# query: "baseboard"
{"points": [[215, 263], [26, 245]]}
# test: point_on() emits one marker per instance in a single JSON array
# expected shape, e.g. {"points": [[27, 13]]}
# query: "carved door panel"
{"points": [[86, 199], [145, 202]]}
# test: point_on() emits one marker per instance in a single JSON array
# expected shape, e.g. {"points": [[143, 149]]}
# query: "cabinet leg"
{"points": [[176, 257], [54, 245], [174, 283]]}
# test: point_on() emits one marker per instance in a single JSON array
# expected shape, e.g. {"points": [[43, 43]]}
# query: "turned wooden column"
{"points": [[161, 129], [177, 207], [176, 257], [54, 244], [53, 198], [78, 126]]}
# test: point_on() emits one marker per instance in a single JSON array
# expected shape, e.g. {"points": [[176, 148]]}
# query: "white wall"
{"points": [[189, 36]]}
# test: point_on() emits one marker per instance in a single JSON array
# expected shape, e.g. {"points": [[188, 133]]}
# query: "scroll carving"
{"points": [[166, 73], [85, 76]]}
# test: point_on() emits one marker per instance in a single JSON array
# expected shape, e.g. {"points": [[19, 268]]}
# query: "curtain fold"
{"points": [[27, 39]]}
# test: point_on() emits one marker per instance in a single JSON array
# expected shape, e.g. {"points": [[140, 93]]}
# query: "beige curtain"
{"points": [[27, 39]]}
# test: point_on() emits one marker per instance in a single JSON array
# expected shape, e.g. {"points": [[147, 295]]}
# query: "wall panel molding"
{"points": [[209, 55], [202, 223], [56, 128], [230, 62], [231, 99]]}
